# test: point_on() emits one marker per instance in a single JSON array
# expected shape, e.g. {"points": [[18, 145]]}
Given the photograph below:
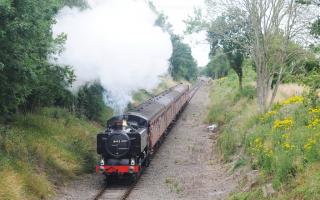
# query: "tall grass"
{"points": [[283, 144], [40, 150], [232, 109]]}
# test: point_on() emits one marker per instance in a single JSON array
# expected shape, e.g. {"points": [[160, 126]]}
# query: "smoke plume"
{"points": [[115, 42]]}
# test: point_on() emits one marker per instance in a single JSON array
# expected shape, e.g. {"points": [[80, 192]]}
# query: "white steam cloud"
{"points": [[114, 42]]}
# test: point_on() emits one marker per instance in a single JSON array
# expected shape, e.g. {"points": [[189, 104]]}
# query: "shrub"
{"points": [[247, 91]]}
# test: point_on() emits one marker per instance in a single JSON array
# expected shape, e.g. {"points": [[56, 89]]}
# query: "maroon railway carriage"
{"points": [[129, 140]]}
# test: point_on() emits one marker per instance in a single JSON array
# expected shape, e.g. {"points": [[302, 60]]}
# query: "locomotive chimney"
{"points": [[124, 124]]}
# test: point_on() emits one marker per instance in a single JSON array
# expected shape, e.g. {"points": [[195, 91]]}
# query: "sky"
{"points": [[179, 10]]}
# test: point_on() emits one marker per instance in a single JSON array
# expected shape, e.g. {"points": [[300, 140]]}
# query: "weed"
{"points": [[173, 184], [248, 92], [239, 163], [11, 185]]}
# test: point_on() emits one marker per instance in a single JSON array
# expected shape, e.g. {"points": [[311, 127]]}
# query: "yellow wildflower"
{"points": [[287, 145], [268, 152], [315, 122], [258, 143], [285, 136], [314, 110], [286, 123], [309, 144], [268, 115], [293, 100]]}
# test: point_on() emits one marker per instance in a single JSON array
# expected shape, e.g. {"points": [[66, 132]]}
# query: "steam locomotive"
{"points": [[130, 139]]}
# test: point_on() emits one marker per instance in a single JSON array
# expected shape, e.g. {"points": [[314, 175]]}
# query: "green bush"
{"points": [[90, 103], [247, 91]]}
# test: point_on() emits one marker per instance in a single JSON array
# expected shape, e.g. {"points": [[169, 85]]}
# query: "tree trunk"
{"points": [[240, 76], [275, 90], [262, 83]]}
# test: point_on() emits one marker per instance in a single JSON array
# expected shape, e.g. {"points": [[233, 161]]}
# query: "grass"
{"points": [[41, 150], [231, 109], [283, 144], [173, 184]]}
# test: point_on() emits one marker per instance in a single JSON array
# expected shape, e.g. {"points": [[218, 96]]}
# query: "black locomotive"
{"points": [[124, 143]]}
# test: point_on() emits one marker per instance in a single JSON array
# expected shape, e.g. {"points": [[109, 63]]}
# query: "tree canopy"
{"points": [[218, 66], [29, 77], [26, 41], [229, 31], [182, 63]]}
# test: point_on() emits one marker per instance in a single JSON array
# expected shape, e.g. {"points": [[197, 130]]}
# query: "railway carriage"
{"points": [[130, 139]]}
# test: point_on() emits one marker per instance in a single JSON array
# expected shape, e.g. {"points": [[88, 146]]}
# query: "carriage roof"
{"points": [[152, 107]]}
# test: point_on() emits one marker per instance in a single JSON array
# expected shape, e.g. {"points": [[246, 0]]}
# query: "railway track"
{"points": [[116, 191], [122, 192]]}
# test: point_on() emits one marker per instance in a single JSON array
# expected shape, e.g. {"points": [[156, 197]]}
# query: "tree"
{"points": [[229, 31], [315, 28], [218, 66], [51, 88], [26, 42], [274, 25], [315, 25], [91, 104], [182, 64]]}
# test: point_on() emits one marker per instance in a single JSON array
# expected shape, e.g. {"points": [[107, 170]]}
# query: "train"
{"points": [[129, 140]]}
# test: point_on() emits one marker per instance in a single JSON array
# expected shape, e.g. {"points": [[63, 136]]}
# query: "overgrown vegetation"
{"points": [[42, 150], [283, 143]]}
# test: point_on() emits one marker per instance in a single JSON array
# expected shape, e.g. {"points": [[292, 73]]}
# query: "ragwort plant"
{"points": [[285, 140]]}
